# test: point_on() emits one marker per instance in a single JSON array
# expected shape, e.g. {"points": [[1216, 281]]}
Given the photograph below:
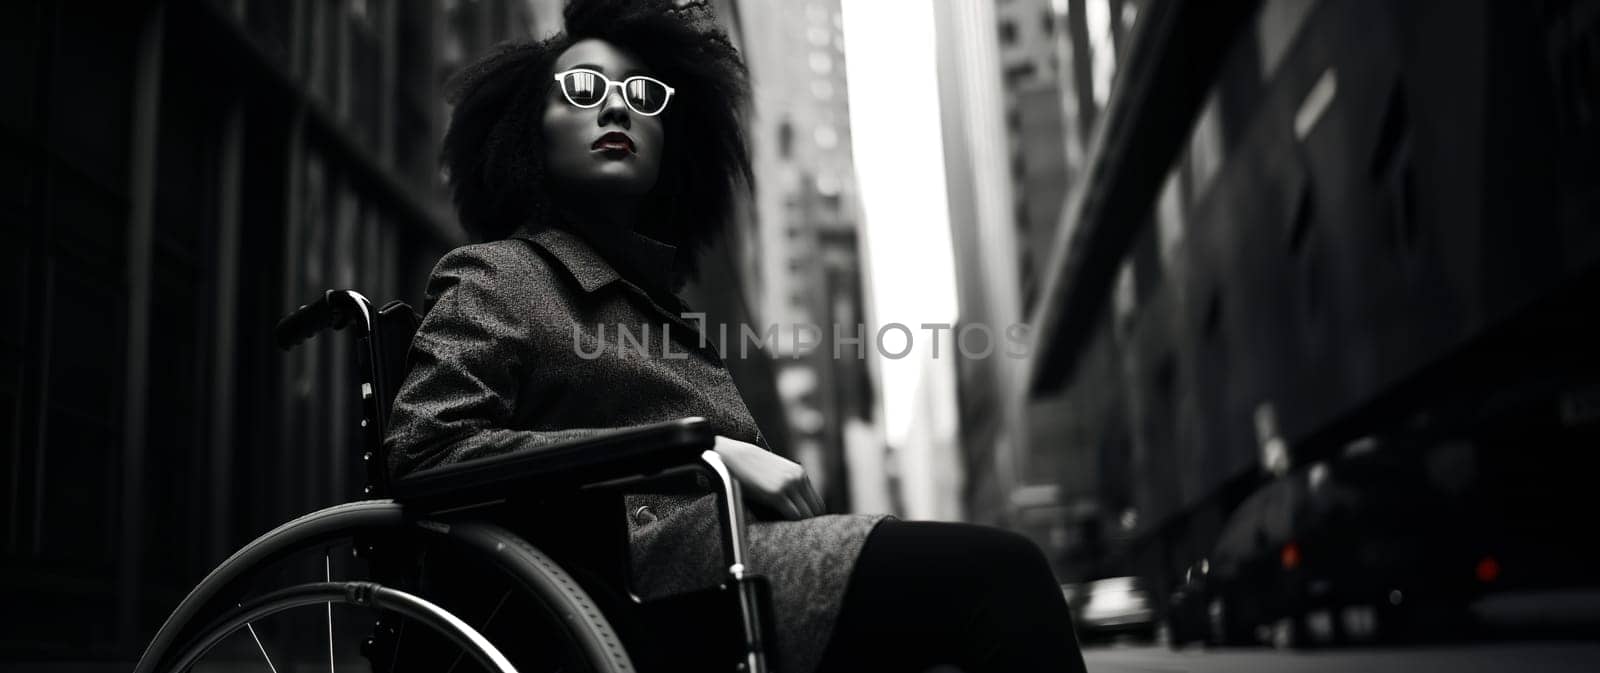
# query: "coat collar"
{"points": [[645, 257]]}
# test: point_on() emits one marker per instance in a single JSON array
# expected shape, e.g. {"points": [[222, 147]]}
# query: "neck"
{"points": [[616, 217], [620, 217]]}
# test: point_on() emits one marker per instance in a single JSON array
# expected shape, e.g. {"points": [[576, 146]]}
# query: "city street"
{"points": [[1224, 335], [1540, 657], [1528, 631]]}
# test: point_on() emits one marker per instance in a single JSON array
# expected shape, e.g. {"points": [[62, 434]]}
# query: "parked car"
{"points": [[1116, 606], [1074, 595], [1185, 617], [1359, 548]]}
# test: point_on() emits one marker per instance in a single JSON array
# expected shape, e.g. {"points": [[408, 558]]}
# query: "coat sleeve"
{"points": [[470, 358]]}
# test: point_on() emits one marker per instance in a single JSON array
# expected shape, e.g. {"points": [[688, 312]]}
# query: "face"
{"points": [[581, 151]]}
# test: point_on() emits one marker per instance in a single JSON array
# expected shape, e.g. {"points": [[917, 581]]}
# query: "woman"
{"points": [[593, 167]]}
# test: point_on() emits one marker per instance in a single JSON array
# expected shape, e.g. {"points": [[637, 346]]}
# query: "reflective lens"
{"points": [[583, 88], [586, 89], [645, 96]]}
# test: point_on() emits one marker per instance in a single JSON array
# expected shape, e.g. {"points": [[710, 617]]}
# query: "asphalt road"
{"points": [[1524, 657]]}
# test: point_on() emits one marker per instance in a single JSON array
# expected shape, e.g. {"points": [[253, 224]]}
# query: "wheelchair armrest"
{"points": [[610, 455]]}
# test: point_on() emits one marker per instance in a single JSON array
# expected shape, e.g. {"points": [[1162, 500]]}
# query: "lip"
{"points": [[615, 141]]}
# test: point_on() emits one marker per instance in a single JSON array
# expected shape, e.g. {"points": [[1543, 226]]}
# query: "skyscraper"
{"points": [[183, 174], [804, 257]]}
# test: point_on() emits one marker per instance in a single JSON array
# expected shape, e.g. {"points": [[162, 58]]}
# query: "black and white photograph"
{"points": [[800, 336]]}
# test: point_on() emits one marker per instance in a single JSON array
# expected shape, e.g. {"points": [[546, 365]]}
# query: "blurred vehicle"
{"points": [[1074, 595], [1115, 606], [1362, 548], [1185, 616]]}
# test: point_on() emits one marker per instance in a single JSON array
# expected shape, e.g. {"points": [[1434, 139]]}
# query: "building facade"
{"points": [[179, 175], [1362, 223], [804, 256]]}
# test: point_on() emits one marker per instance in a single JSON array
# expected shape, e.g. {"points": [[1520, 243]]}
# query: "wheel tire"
{"points": [[1290, 633], [584, 630], [1338, 635], [1228, 627], [561, 596], [1175, 635], [1216, 632], [362, 594]]}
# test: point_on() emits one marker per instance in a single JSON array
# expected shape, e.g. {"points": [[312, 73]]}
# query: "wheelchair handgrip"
{"points": [[308, 321]]}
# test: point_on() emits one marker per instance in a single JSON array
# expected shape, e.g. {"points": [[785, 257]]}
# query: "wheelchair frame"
{"points": [[432, 503]]}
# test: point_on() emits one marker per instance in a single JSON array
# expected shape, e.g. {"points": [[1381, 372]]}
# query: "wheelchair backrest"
{"points": [[383, 338], [393, 327]]}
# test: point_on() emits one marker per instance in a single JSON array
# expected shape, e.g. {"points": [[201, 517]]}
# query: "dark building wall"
{"points": [[847, 392], [1042, 137], [177, 176], [1348, 268]]}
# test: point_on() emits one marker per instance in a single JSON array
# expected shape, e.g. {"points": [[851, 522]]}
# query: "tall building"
{"points": [[1035, 129], [1089, 42], [1348, 224], [804, 253], [926, 473], [984, 234], [1011, 84], [1033, 77], [179, 175]]}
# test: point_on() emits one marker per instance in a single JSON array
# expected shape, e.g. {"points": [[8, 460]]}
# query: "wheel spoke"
{"points": [[485, 626], [496, 610], [261, 647], [400, 633], [327, 574]]}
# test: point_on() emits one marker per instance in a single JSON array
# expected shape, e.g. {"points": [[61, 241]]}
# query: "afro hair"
{"points": [[493, 153]]}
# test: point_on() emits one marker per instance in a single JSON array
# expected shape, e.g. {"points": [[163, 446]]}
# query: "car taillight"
{"points": [[1290, 556], [1488, 569]]}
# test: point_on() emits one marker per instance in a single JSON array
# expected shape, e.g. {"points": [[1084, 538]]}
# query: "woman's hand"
{"points": [[769, 479]]}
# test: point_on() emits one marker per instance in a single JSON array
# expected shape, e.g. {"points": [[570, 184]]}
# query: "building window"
{"points": [[828, 184], [826, 137], [786, 140], [821, 62], [1008, 32], [1017, 72]]}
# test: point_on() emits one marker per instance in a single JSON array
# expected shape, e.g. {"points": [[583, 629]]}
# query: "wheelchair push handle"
{"points": [[334, 309]]}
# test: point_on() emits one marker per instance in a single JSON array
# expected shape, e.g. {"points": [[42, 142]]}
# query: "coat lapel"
{"points": [[591, 271], [586, 266]]}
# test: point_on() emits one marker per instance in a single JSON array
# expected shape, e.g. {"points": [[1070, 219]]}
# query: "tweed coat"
{"points": [[519, 348]]}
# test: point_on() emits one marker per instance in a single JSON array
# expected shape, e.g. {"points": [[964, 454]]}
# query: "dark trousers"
{"points": [[925, 594]]}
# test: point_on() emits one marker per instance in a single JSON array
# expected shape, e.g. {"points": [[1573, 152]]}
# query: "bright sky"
{"points": [[892, 70]]}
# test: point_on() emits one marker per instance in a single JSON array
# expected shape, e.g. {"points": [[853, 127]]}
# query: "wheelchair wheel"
{"points": [[272, 613], [284, 602]]}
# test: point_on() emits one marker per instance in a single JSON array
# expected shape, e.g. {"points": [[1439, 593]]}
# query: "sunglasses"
{"points": [[586, 88]]}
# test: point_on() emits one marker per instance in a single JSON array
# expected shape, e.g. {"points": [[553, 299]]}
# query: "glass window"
{"points": [[1008, 32]]}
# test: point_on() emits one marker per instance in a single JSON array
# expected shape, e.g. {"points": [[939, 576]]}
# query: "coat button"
{"points": [[644, 515]]}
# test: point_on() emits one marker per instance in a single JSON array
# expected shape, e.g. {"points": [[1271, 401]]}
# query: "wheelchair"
{"points": [[380, 558]]}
